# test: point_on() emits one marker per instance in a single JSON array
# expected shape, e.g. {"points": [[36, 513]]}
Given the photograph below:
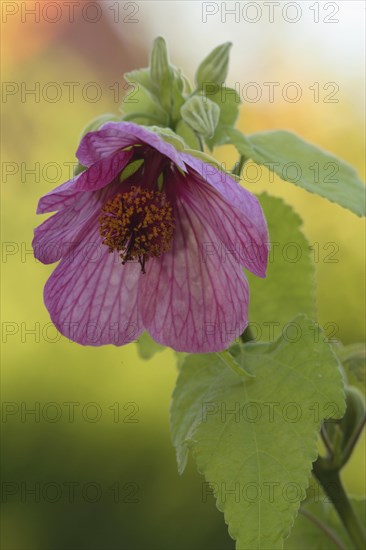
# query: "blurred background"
{"points": [[92, 467]]}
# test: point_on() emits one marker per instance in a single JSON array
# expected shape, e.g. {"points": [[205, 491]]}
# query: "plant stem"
{"points": [[323, 527], [352, 442], [326, 441], [239, 166], [332, 485]]}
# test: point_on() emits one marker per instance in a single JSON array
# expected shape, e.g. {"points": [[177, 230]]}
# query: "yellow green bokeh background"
{"points": [[170, 512]]}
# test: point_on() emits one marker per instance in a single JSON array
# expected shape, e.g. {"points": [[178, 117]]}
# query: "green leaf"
{"points": [[201, 114], [289, 287], [255, 439], [309, 167], [240, 141], [147, 347], [214, 67], [180, 358], [309, 531]]}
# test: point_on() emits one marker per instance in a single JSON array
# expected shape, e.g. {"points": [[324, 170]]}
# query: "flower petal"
{"points": [[242, 200], [65, 229], [190, 301], [238, 234], [60, 197], [92, 298], [115, 135], [96, 177]]}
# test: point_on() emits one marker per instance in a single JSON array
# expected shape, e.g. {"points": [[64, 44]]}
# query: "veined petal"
{"points": [[96, 177], [242, 236], [116, 135], [232, 191], [65, 229], [92, 298], [60, 197], [191, 301]]}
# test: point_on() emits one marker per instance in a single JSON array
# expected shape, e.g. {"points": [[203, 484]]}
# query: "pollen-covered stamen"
{"points": [[139, 224]]}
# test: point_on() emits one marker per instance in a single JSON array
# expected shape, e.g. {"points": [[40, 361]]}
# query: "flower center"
{"points": [[139, 224]]}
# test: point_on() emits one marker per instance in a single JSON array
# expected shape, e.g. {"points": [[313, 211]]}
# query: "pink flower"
{"points": [[160, 248]]}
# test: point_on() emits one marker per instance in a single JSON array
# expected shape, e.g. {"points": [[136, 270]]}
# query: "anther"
{"points": [[139, 224]]}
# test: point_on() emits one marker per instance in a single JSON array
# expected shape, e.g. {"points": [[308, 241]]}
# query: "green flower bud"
{"points": [[159, 66], [214, 67], [201, 114]]}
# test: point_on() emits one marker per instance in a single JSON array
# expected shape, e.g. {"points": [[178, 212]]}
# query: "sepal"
{"points": [[214, 67], [201, 114]]}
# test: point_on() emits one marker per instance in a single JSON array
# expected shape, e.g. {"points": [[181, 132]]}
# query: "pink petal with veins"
{"points": [[92, 299], [239, 234], [65, 229], [114, 135], [191, 301], [96, 177]]}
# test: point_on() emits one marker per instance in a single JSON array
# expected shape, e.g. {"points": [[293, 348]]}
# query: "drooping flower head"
{"points": [[149, 238]]}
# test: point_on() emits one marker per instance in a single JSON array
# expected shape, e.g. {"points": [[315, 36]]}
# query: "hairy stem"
{"points": [[323, 527], [239, 166], [353, 440], [326, 441], [332, 485]]}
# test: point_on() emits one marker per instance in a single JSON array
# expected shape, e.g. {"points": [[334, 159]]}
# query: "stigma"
{"points": [[138, 224]]}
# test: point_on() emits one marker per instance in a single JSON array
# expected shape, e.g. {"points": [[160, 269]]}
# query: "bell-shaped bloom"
{"points": [[149, 238]]}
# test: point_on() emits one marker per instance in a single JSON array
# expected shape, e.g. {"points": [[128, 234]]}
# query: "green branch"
{"points": [[323, 527], [330, 481]]}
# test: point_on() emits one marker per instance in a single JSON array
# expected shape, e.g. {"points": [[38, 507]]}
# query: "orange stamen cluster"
{"points": [[139, 224]]}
